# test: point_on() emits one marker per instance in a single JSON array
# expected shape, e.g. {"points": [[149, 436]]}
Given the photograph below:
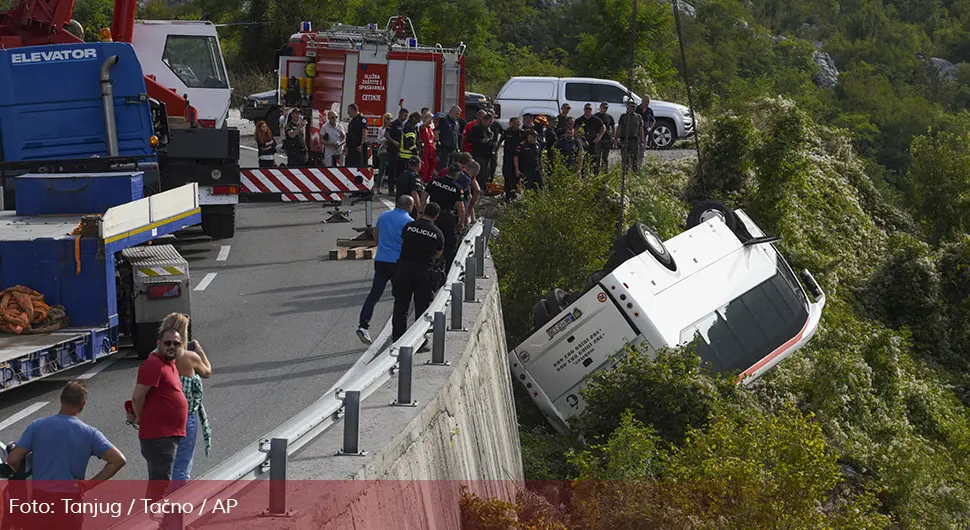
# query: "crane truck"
{"points": [[192, 149], [83, 256]]}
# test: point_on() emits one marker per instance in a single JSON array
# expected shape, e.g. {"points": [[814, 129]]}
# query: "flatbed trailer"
{"points": [[72, 260]]}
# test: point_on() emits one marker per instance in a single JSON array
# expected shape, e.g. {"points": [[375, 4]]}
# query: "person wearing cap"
{"points": [[294, 143], [528, 160], [590, 129], [450, 196], [603, 153], [629, 132], [409, 183], [561, 120]]}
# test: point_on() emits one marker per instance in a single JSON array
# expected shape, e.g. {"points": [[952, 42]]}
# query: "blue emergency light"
{"points": [[305, 26], [412, 42], [372, 26]]}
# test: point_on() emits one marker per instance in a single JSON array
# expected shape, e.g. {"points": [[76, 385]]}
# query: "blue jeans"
{"points": [[384, 272], [185, 453]]}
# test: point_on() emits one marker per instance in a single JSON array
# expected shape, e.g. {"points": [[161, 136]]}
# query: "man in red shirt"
{"points": [[160, 411]]}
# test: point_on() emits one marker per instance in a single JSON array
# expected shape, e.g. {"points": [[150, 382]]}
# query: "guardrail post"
{"points": [[470, 279], [368, 213], [277, 478], [351, 425], [405, 357], [480, 256], [456, 307], [489, 224], [438, 340]]}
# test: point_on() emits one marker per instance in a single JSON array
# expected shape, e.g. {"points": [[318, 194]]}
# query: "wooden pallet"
{"points": [[355, 243], [340, 253]]}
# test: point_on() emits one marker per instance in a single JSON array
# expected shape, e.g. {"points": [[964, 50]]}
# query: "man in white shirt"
{"points": [[334, 137]]}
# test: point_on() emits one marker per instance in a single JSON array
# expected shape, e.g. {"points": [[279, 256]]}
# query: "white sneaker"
{"points": [[363, 335]]}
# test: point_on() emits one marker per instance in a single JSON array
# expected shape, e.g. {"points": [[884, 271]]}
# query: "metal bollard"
{"points": [[277, 476], [489, 224], [456, 307], [438, 340], [368, 214], [470, 279], [480, 256], [352, 425], [405, 357]]}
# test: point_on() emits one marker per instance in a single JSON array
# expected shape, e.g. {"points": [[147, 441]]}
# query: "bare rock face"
{"points": [[829, 75], [946, 68]]}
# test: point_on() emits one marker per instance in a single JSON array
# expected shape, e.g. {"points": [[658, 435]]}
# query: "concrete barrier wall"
{"points": [[462, 431]]}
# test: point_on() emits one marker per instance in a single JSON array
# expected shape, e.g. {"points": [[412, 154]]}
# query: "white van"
{"points": [[545, 95], [722, 279]]}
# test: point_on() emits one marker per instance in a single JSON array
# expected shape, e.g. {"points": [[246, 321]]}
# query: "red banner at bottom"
{"points": [[360, 504]]}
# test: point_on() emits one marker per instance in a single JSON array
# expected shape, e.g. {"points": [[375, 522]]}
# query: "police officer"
{"points": [[449, 195], [409, 183], [422, 243]]}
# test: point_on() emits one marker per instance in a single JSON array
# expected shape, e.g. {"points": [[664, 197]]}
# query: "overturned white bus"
{"points": [[722, 279]]}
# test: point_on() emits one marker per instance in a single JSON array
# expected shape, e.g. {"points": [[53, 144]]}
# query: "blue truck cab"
{"points": [[52, 107], [77, 148]]}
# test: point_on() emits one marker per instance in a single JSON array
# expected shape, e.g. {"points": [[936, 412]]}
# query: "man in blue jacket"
{"points": [[387, 233]]}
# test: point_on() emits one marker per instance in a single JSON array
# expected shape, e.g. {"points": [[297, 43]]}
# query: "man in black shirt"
{"points": [[603, 150], [527, 161], [409, 183], [482, 138], [421, 245], [561, 120], [590, 129], [511, 138], [448, 137], [393, 135], [356, 138], [646, 114], [450, 196]]}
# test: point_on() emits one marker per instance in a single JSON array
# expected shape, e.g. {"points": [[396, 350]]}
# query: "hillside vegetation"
{"points": [[867, 182]]}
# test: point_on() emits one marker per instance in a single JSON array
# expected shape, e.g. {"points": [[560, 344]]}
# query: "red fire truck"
{"points": [[381, 70]]}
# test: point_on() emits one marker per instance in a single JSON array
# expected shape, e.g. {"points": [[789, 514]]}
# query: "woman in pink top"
{"points": [[429, 155]]}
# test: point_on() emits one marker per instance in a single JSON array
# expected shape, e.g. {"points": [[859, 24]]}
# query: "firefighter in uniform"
{"points": [[450, 196], [410, 143], [422, 243]]}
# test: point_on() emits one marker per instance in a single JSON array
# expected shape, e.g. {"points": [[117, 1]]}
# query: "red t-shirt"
{"points": [[166, 409]]}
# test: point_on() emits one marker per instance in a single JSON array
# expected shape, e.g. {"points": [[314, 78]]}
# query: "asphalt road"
{"points": [[275, 316]]}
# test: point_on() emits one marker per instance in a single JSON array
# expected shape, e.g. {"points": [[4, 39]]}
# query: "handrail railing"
{"points": [[254, 461]]}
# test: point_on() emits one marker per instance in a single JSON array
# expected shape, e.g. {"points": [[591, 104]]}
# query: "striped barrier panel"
{"points": [[301, 184]]}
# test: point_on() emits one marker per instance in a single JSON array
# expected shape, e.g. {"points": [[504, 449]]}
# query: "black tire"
{"points": [[641, 238], [145, 338], [556, 301], [540, 315], [219, 222], [704, 210], [664, 134], [593, 280]]}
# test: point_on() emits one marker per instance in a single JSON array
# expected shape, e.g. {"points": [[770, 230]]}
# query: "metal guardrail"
{"points": [[270, 453]]}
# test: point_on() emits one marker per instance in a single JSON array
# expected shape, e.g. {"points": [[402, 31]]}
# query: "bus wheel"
{"points": [[641, 238]]}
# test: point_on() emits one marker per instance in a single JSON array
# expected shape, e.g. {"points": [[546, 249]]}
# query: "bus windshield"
{"points": [[739, 334]]}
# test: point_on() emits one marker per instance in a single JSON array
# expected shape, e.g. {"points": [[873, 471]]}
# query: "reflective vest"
{"points": [[409, 143]]}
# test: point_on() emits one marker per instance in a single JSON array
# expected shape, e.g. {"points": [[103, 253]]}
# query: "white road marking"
{"points": [[223, 253], [387, 202], [247, 147], [205, 281], [98, 367], [22, 414]]}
